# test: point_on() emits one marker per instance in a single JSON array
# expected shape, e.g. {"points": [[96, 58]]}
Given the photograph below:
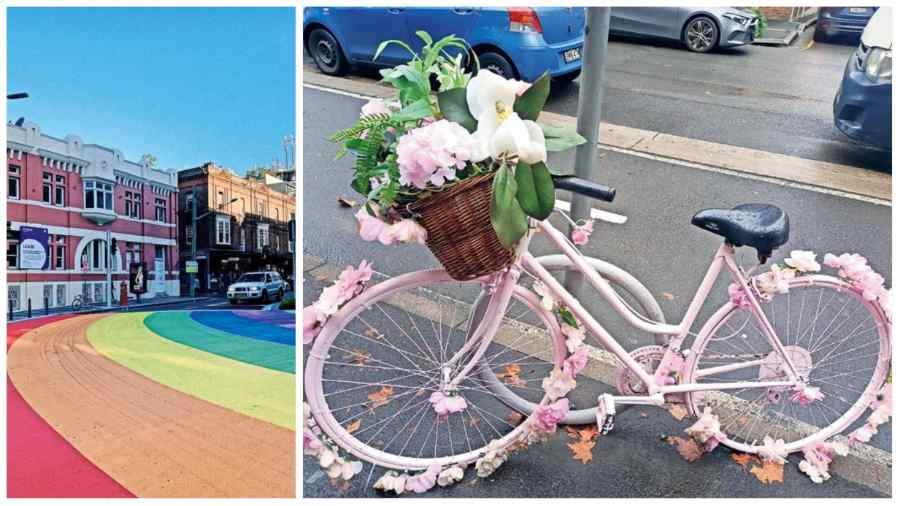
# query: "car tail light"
{"points": [[523, 19]]}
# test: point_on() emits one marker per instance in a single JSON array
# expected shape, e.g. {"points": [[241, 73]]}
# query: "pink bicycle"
{"points": [[491, 341]]}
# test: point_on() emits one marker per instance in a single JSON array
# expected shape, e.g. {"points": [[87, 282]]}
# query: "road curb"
{"points": [[865, 464], [96, 310], [840, 179]]}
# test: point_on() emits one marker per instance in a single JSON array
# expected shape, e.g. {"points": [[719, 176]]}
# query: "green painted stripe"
{"points": [[245, 388], [178, 326]]}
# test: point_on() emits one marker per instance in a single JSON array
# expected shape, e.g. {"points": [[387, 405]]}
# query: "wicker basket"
{"points": [[460, 234]]}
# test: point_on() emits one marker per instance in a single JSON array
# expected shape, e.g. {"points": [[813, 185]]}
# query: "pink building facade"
{"points": [[87, 197]]}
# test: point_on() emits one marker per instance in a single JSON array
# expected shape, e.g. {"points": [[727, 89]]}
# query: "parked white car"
{"points": [[261, 286]]}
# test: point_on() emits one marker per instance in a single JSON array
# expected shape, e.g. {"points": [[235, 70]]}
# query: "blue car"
{"points": [[837, 21], [519, 43], [862, 104]]}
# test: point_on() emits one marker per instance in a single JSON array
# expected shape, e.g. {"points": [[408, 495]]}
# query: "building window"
{"points": [[277, 217], [48, 188], [243, 240], [188, 233], [99, 292], [220, 200], [58, 252], [60, 295], [262, 236], [161, 257], [98, 195], [12, 254], [93, 258], [15, 297], [223, 230], [133, 204], [261, 208], [161, 210], [48, 295], [15, 174], [59, 191], [132, 253]]}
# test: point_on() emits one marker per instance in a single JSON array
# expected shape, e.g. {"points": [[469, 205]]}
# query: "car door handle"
{"points": [[462, 12], [395, 11]]}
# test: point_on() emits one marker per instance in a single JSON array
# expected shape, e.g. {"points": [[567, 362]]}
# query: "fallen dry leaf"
{"points": [[589, 432], [353, 427], [770, 472], [644, 414], [358, 356], [474, 421], [687, 448], [381, 397], [419, 392], [668, 296], [678, 411], [742, 458], [370, 332], [510, 375], [581, 450], [346, 202], [514, 418]]}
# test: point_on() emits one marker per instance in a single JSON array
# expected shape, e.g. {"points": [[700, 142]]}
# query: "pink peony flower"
{"points": [[547, 417], [350, 280], [869, 284], [558, 384], [805, 395], [425, 481], [329, 302], [576, 362], [582, 233], [372, 228], [445, 405], [311, 444], [803, 261], [311, 324], [407, 230], [738, 297], [432, 153], [849, 265]]}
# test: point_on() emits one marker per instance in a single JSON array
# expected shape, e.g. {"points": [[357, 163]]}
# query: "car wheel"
{"points": [[280, 294], [327, 53], [233, 301], [265, 297], [701, 34], [498, 64]]}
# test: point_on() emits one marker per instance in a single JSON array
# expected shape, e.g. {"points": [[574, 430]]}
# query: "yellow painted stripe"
{"points": [[245, 388]]}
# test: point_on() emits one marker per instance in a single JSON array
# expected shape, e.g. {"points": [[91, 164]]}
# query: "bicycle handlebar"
{"points": [[584, 187]]}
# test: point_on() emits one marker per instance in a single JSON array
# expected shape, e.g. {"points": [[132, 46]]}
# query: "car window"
{"points": [[251, 278], [268, 278]]}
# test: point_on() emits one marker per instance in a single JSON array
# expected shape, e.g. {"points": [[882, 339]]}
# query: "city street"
{"points": [[776, 100]]}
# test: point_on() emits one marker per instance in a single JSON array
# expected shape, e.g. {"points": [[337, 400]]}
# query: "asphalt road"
{"points": [[660, 246], [776, 99]]}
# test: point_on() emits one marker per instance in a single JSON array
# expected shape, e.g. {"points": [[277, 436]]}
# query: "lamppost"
{"points": [[194, 218]]}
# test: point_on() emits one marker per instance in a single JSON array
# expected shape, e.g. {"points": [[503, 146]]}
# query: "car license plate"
{"points": [[859, 10], [573, 54]]}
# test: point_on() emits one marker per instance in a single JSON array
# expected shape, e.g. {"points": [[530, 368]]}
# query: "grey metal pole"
{"points": [[590, 101], [193, 235], [109, 257]]}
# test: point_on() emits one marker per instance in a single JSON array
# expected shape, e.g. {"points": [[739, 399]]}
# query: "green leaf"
{"points": [[568, 317], [453, 106], [425, 37], [560, 138], [535, 191], [386, 43], [507, 218], [531, 103], [417, 110]]}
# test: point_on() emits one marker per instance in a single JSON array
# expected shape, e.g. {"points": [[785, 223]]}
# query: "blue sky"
{"points": [[185, 84]]}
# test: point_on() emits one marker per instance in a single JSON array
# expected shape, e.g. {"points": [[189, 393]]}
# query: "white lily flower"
{"points": [[501, 131]]}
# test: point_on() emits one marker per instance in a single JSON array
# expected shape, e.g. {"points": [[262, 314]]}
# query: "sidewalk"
{"points": [[40, 313], [784, 33]]}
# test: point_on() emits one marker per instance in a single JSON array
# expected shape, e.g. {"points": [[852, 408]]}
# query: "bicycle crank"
{"points": [[627, 382]]}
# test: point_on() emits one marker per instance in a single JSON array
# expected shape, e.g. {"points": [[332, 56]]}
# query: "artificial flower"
{"points": [[582, 233], [392, 482], [849, 265], [491, 460], [432, 153], [311, 444], [501, 131], [558, 384], [738, 296], [445, 405], [869, 284], [777, 280], [328, 303], [311, 324], [407, 230], [374, 106], [803, 261], [372, 228], [805, 395], [576, 362], [350, 280], [547, 299], [773, 450], [574, 337], [707, 430], [450, 476], [862, 435], [884, 399], [548, 416], [425, 481], [817, 458]]}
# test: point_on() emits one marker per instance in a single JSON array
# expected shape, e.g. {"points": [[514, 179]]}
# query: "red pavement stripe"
{"points": [[39, 462]]}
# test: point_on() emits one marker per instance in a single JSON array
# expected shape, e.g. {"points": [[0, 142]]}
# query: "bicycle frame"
{"points": [[500, 285]]}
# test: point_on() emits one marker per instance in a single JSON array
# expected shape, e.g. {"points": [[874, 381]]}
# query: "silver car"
{"points": [[701, 29]]}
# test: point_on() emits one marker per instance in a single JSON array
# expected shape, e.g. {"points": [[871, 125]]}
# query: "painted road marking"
{"points": [[783, 170]]}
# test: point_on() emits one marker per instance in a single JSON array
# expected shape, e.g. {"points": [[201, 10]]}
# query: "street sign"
{"points": [[190, 266]]}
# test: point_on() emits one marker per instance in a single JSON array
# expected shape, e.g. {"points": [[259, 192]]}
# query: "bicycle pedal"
{"points": [[606, 412]]}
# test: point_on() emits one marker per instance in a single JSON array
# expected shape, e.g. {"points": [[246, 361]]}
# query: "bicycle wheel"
{"points": [[835, 338], [584, 398], [375, 364]]}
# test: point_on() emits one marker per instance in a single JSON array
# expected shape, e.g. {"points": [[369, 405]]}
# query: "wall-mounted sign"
{"points": [[137, 277], [33, 248], [190, 266]]}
